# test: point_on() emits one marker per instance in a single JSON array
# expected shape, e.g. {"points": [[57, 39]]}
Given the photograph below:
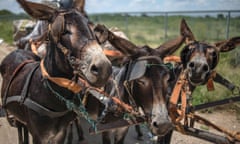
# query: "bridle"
{"points": [[129, 83], [73, 61], [186, 56]]}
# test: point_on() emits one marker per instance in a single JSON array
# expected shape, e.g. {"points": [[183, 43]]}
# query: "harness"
{"points": [[135, 70], [62, 82], [23, 99], [185, 111]]}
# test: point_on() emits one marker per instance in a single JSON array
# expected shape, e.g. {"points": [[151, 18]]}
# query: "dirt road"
{"points": [[227, 119]]}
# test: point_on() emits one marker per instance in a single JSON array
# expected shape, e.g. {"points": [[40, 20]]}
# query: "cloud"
{"points": [[10, 5]]}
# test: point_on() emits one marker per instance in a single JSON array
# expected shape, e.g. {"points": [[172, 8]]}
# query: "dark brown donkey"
{"points": [[198, 63], [39, 96], [142, 82]]}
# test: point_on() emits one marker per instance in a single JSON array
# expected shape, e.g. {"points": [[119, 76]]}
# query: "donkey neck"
{"points": [[56, 63]]}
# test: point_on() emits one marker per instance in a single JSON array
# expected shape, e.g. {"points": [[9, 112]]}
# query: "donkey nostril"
{"points": [[191, 65], [94, 70], [205, 68], [155, 124]]}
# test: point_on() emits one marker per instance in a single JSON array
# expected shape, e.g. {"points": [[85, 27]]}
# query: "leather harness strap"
{"points": [[34, 46], [176, 114], [36, 107], [24, 100], [172, 58], [113, 53], [210, 85], [63, 82], [16, 71]]}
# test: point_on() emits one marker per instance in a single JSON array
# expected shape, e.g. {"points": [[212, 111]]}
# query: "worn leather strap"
{"points": [[112, 53], [63, 82], [36, 107], [210, 85], [172, 59], [177, 114]]}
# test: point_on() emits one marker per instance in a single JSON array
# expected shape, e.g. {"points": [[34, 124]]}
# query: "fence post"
{"points": [[126, 24], [228, 24], [166, 25]]}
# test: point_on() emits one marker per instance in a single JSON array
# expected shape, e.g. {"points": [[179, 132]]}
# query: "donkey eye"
{"points": [[67, 32], [214, 54], [140, 81]]}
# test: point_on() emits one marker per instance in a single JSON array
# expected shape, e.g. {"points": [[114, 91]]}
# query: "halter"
{"points": [[74, 62], [128, 83]]}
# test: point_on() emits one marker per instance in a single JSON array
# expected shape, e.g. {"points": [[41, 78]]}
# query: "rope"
{"points": [[79, 110]]}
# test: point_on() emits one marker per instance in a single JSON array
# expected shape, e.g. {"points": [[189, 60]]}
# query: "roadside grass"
{"points": [[6, 31]]}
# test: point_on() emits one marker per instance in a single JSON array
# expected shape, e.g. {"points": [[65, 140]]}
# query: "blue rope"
{"points": [[79, 110]]}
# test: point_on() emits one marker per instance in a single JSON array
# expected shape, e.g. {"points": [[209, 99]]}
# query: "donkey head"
{"points": [[146, 78], [77, 48], [199, 58]]}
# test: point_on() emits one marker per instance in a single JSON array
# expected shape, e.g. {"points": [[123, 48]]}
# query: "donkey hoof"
{"points": [[140, 138]]}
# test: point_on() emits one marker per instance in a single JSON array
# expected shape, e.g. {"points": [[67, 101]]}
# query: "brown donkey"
{"points": [[141, 82], [198, 61], [38, 96]]}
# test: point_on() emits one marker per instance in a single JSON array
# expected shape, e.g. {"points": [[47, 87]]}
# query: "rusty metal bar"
{"points": [[217, 103], [205, 135]]}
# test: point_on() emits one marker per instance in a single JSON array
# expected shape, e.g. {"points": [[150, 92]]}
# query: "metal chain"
{"points": [[79, 110]]}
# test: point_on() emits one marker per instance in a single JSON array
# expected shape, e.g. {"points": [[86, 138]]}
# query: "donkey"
{"points": [[35, 39], [36, 94], [188, 57], [142, 81], [198, 62]]}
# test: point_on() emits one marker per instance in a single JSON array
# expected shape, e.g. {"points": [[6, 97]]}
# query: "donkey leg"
{"points": [[139, 132], [120, 135], [25, 135], [79, 130], [69, 133], [165, 139], [106, 138], [20, 134]]}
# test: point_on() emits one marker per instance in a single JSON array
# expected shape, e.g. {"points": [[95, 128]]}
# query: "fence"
{"points": [[155, 27]]}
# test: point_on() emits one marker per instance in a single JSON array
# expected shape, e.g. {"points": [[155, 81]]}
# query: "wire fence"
{"points": [[155, 27]]}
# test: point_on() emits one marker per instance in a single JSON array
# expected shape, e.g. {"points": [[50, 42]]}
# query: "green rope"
{"points": [[79, 110], [128, 116], [168, 65]]}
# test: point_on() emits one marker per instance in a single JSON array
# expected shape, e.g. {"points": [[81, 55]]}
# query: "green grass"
{"points": [[150, 30], [6, 25], [6, 31]]}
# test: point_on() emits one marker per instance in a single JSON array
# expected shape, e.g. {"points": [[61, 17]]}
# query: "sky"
{"points": [[110, 6]]}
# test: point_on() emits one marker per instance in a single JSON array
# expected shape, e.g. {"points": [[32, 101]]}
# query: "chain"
{"points": [[79, 110]]}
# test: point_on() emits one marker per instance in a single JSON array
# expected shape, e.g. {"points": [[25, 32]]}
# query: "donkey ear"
{"points": [[123, 45], [38, 11], [186, 32], [79, 5], [170, 46], [228, 45]]}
